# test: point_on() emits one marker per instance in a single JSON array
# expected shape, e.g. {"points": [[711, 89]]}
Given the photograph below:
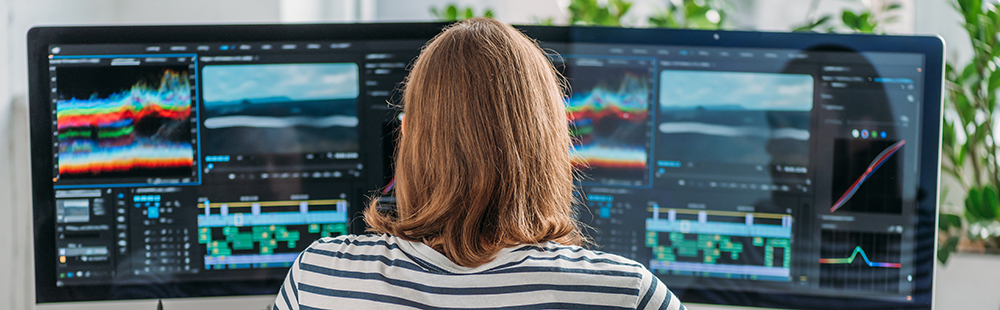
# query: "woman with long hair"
{"points": [[484, 213]]}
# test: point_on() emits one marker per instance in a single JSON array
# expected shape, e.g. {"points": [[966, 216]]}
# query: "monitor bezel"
{"points": [[40, 38]]}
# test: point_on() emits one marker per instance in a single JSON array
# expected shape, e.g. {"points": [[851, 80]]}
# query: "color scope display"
{"points": [[124, 122], [609, 120]]}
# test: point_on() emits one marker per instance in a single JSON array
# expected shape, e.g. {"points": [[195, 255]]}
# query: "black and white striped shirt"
{"points": [[386, 272]]}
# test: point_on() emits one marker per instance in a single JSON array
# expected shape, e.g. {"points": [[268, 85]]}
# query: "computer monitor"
{"points": [[785, 170], [743, 168]]}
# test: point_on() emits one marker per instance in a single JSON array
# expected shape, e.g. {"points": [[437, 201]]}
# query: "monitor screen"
{"points": [[757, 169], [768, 170]]}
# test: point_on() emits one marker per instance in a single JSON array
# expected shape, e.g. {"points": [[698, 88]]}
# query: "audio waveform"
{"points": [[875, 164], [858, 250], [143, 127]]}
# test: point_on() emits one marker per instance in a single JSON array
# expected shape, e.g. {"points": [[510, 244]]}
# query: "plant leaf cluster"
{"points": [[594, 13], [690, 14], [968, 142], [452, 12], [869, 19]]}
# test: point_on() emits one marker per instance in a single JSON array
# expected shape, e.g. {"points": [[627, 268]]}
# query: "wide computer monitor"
{"points": [[784, 170]]}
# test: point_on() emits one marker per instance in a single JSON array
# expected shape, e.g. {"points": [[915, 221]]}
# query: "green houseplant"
{"points": [[690, 14], [870, 19], [453, 12], [969, 142], [593, 13]]}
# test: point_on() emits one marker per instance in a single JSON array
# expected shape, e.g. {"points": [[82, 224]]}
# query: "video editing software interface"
{"points": [[211, 162], [721, 168], [751, 169]]}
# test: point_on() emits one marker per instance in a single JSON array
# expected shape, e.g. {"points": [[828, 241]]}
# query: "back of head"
{"points": [[483, 160]]}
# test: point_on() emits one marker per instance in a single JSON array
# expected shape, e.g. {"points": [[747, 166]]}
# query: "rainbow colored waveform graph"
{"points": [[602, 156], [876, 163], [98, 135], [628, 104], [849, 260]]}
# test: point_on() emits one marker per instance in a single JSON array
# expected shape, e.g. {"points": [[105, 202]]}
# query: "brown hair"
{"points": [[483, 161]]}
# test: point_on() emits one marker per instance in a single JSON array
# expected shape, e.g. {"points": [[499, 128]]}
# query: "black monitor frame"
{"points": [[40, 38]]}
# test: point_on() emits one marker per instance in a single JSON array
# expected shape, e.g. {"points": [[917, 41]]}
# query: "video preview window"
{"points": [[722, 119], [281, 108]]}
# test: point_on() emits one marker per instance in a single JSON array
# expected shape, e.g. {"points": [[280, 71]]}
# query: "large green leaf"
{"points": [[948, 221], [948, 137], [962, 155], [969, 72], [849, 18], [982, 204], [949, 246], [966, 112], [994, 80], [811, 26], [972, 201], [970, 9], [621, 7], [991, 203]]}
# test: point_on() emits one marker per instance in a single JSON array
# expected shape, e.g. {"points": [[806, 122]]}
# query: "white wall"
{"points": [[938, 17]]}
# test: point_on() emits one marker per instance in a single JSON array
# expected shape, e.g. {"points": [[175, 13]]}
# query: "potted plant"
{"points": [[969, 141]]}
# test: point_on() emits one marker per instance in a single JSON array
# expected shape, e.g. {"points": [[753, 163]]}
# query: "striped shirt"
{"points": [[387, 272]]}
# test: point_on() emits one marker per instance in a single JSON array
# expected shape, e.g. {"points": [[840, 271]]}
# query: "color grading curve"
{"points": [[879, 160], [854, 254]]}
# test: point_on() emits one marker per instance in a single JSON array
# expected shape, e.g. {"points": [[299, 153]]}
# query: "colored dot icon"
{"points": [[865, 134]]}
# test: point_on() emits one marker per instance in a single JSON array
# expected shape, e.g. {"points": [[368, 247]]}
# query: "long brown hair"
{"points": [[483, 160]]}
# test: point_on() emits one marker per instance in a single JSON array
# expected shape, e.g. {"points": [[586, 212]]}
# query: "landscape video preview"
{"points": [[280, 108]]}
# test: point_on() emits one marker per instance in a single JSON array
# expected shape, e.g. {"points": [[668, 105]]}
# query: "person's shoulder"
{"points": [[351, 243], [581, 255]]}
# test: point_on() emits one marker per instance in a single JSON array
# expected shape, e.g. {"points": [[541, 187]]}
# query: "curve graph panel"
{"points": [[867, 176], [860, 261]]}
